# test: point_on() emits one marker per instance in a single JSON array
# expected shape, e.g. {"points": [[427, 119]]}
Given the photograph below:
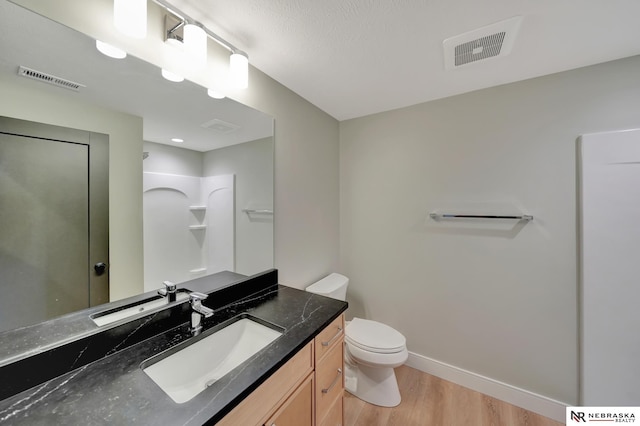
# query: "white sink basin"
{"points": [[191, 370], [104, 319]]}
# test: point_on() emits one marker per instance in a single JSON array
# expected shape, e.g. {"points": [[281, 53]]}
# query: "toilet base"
{"points": [[375, 385]]}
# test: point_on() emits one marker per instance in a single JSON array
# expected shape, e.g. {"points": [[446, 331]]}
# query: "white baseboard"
{"points": [[519, 397]]}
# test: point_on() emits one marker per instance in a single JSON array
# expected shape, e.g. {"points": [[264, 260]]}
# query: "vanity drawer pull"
{"points": [[334, 381], [328, 342]]}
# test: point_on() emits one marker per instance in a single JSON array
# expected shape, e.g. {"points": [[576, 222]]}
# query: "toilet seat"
{"points": [[375, 337], [374, 359]]}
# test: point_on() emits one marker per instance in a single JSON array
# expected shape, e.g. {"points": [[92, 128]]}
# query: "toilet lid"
{"points": [[374, 336]]}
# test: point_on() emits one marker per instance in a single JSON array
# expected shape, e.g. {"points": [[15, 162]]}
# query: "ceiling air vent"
{"points": [[48, 78], [487, 42], [220, 126]]}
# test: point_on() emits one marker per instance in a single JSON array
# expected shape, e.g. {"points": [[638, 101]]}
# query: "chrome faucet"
{"points": [[198, 311], [169, 291]]}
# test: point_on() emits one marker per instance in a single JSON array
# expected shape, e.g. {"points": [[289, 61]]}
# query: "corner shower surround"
{"points": [[188, 226]]}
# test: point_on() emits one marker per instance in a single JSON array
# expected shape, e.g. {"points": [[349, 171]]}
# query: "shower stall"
{"points": [[188, 227]]}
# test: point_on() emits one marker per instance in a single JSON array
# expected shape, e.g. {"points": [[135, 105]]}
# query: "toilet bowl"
{"points": [[372, 351]]}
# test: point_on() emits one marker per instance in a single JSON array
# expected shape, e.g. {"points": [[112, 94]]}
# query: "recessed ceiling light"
{"points": [[177, 140]]}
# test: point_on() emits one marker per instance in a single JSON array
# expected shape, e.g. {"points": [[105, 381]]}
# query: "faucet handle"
{"points": [[196, 296], [169, 288]]}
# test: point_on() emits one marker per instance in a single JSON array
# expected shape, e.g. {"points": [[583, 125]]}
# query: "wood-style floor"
{"points": [[430, 401]]}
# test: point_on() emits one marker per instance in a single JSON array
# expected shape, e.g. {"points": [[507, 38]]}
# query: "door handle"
{"points": [[326, 390], [100, 268]]}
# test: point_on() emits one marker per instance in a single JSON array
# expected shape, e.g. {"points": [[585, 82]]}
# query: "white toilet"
{"points": [[372, 350]]}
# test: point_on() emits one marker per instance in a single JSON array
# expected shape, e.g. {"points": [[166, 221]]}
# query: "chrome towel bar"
{"points": [[436, 216]]}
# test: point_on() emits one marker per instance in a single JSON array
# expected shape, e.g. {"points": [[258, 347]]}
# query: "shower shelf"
{"points": [[197, 208], [197, 227], [257, 211]]}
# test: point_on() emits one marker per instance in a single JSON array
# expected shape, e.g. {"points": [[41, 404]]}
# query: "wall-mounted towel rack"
{"points": [[436, 216], [257, 211]]}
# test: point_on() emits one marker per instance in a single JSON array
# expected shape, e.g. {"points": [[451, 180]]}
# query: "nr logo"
{"points": [[577, 416]]}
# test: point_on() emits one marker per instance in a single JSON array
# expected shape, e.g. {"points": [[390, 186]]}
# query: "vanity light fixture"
{"points": [[184, 30], [110, 50], [238, 70], [173, 30], [130, 17], [184, 34], [173, 60], [195, 46]]}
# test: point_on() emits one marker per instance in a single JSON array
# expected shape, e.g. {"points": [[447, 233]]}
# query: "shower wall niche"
{"points": [[188, 226]]}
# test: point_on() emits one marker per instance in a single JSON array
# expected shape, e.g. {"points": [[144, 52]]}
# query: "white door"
{"points": [[610, 268]]}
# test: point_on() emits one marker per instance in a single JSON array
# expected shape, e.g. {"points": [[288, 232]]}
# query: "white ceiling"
{"points": [[358, 57]]}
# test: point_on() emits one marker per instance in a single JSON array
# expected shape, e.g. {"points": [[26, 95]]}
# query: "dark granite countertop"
{"points": [[26, 341], [107, 386]]}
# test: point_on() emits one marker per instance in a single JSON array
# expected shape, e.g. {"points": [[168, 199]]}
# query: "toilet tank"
{"points": [[333, 285]]}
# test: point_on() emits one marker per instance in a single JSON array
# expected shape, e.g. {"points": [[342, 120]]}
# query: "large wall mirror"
{"points": [[207, 202]]}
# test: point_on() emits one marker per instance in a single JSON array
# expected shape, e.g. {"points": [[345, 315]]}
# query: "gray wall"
{"points": [[497, 299], [307, 220], [172, 159]]}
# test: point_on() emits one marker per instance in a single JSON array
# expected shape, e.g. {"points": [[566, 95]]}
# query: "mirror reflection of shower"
{"points": [[193, 202]]}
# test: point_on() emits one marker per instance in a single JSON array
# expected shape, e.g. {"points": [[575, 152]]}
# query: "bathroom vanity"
{"points": [[71, 371]]}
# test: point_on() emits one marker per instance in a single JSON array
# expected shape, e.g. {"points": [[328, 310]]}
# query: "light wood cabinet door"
{"points": [[273, 392], [296, 395], [334, 417], [297, 409], [329, 380]]}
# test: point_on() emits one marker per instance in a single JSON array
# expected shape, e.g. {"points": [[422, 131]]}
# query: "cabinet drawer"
{"points": [[329, 379], [334, 417], [328, 337], [257, 407], [296, 411]]}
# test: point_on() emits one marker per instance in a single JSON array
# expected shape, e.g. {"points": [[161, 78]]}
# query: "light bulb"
{"points": [[173, 68], [238, 71], [215, 94], [171, 76], [195, 45], [110, 50]]}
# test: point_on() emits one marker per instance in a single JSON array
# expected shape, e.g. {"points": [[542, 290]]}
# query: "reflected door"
{"points": [[46, 259]]}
